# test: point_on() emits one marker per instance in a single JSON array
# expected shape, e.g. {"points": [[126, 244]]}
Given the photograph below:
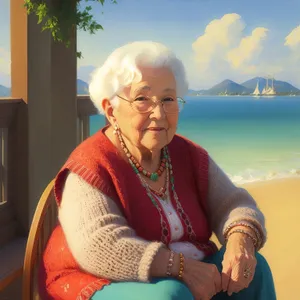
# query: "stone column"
{"points": [[44, 76]]}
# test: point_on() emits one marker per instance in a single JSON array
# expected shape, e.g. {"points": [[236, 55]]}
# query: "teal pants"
{"points": [[261, 287]]}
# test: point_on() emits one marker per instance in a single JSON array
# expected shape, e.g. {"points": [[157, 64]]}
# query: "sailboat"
{"points": [[272, 91], [224, 93], [256, 92], [292, 94], [269, 90]]}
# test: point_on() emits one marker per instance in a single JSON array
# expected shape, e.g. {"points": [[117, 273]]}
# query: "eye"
{"points": [[168, 99], [141, 99]]}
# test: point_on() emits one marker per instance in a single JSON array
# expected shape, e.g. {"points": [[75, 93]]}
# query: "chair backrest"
{"points": [[44, 221]]}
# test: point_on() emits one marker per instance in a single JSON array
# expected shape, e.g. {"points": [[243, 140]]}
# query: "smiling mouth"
{"points": [[156, 128]]}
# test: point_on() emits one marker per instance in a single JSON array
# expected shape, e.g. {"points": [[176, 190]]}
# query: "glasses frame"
{"points": [[155, 104]]}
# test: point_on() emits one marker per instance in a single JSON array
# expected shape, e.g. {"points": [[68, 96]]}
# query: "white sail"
{"points": [[256, 91], [271, 90]]}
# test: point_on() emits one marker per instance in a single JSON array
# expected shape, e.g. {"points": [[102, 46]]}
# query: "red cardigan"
{"points": [[98, 162]]}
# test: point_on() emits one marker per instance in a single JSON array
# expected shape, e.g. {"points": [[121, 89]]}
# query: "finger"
{"points": [[241, 278], [225, 276], [248, 280], [235, 278], [218, 281], [202, 294]]}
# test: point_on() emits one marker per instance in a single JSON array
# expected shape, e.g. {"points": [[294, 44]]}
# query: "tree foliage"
{"points": [[61, 18]]}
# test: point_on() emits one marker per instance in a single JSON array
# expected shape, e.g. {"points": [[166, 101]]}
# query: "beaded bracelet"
{"points": [[170, 264], [245, 224], [181, 266], [254, 240], [242, 223], [257, 235]]}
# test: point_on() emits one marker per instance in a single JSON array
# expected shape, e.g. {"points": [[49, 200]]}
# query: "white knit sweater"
{"points": [[104, 245]]}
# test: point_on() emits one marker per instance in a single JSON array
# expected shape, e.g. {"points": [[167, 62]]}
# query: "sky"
{"points": [[215, 39]]}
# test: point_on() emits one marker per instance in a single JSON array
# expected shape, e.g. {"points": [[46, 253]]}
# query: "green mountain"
{"points": [[225, 87], [230, 87], [281, 87], [82, 87], [4, 91]]}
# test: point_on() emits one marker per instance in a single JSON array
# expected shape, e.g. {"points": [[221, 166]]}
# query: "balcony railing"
{"points": [[8, 109], [3, 165], [8, 117], [85, 109], [13, 115]]}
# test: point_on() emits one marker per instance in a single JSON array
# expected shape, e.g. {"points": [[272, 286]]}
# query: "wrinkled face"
{"points": [[153, 130]]}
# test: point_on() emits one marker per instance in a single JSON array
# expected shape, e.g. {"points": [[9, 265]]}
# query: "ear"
{"points": [[109, 111]]}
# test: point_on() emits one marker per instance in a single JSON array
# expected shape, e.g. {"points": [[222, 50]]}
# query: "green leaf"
{"points": [[60, 20]]}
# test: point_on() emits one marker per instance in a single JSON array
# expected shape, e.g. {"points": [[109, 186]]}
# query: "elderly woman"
{"points": [[138, 203]]}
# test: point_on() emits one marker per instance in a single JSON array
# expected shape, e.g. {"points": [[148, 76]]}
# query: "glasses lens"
{"points": [[144, 105], [173, 106]]}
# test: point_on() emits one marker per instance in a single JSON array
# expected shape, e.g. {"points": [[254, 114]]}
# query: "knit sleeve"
{"points": [[99, 237], [228, 203]]}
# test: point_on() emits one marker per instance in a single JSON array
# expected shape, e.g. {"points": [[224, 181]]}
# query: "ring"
{"points": [[247, 272]]}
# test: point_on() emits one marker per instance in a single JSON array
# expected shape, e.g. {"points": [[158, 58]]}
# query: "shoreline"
{"points": [[259, 182]]}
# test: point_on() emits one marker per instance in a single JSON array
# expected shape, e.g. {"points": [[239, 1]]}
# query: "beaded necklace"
{"points": [[162, 193], [169, 168], [136, 166]]}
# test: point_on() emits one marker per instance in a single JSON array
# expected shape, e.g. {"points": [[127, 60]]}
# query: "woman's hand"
{"points": [[203, 279], [239, 263]]}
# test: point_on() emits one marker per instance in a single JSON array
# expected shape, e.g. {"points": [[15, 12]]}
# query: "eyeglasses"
{"points": [[145, 104]]}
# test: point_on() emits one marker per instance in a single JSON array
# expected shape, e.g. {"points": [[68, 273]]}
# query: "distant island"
{"points": [[253, 87]]}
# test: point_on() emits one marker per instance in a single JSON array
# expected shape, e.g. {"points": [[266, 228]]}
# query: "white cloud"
{"points": [[292, 64], [5, 79], [220, 35], [249, 48], [224, 51], [4, 61], [292, 40], [5, 67]]}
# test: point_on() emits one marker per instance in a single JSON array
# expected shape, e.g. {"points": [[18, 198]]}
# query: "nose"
{"points": [[158, 112]]}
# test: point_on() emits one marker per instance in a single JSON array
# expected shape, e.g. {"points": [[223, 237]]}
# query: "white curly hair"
{"points": [[121, 69]]}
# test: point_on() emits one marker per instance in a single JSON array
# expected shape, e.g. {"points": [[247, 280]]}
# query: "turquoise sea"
{"points": [[250, 138]]}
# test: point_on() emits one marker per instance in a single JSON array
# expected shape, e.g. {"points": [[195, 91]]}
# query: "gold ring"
{"points": [[247, 272]]}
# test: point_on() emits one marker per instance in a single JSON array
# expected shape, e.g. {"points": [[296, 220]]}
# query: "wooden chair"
{"points": [[44, 221]]}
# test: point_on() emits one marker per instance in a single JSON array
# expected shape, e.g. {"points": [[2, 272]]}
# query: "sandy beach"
{"points": [[280, 202]]}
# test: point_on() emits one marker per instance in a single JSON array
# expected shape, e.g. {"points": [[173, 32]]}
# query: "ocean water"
{"points": [[251, 139]]}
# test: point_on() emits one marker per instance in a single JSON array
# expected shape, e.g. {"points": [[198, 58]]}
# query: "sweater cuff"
{"points": [[252, 221], [146, 261]]}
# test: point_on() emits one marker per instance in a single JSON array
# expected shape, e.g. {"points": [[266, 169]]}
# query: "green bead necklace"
{"points": [[138, 169]]}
